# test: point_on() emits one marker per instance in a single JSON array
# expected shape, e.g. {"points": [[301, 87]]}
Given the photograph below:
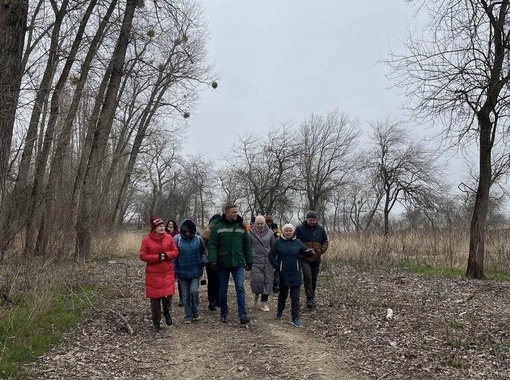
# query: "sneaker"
{"points": [[278, 315], [244, 320], [187, 320], [264, 307], [296, 322], [310, 303], [223, 319], [212, 307], [196, 317], [155, 327]]}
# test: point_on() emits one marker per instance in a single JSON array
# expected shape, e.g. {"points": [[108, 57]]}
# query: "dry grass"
{"points": [[440, 249], [435, 249]]}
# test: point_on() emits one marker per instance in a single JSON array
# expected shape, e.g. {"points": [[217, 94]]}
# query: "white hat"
{"points": [[288, 225]]}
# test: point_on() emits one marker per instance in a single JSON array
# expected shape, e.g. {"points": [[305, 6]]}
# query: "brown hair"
{"points": [[228, 207]]}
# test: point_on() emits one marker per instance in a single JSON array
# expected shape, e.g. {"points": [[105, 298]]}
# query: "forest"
{"points": [[95, 96]]}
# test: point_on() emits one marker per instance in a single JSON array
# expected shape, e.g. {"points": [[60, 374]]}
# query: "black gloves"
{"points": [[213, 266], [309, 252], [248, 267], [162, 256]]}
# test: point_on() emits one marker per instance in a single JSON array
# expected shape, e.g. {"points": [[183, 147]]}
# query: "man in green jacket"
{"points": [[229, 251]]}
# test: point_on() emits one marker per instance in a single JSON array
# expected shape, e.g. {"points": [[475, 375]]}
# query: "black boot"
{"points": [[155, 327], [168, 318]]}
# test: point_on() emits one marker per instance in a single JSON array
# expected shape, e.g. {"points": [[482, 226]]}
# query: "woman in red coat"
{"points": [[158, 250]]}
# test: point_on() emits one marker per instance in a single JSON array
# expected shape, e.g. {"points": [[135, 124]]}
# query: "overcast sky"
{"points": [[282, 60]]}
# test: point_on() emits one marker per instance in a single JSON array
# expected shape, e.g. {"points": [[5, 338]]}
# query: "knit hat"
{"points": [[260, 219], [311, 214], [288, 225], [156, 221]]}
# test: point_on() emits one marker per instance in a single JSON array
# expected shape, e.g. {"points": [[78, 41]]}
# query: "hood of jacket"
{"points": [[188, 224]]}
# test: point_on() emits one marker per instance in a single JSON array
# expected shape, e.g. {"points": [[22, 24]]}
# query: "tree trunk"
{"points": [[90, 184], [13, 18], [48, 196], [40, 99], [475, 267], [148, 113]]}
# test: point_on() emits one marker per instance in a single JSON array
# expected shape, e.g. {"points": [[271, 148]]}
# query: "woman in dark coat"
{"points": [[284, 256]]}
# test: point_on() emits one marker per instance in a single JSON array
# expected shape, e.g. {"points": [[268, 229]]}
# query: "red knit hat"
{"points": [[156, 221]]}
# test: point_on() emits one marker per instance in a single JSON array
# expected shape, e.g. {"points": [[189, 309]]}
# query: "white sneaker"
{"points": [[264, 306]]}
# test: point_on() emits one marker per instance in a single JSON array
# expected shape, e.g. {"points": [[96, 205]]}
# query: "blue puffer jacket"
{"points": [[192, 253], [284, 256]]}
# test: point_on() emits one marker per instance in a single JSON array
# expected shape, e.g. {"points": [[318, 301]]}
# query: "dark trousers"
{"points": [[156, 308], [213, 286], [310, 274], [294, 299], [276, 281]]}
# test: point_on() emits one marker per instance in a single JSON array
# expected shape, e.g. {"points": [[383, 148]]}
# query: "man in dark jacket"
{"points": [[229, 250], [313, 236]]}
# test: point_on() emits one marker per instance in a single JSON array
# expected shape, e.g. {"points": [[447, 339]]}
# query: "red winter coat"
{"points": [[159, 276]]}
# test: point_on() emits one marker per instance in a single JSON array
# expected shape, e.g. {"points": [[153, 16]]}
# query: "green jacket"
{"points": [[229, 244]]}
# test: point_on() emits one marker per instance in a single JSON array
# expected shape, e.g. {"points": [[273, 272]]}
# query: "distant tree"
{"points": [[458, 73], [265, 169], [326, 148], [403, 169]]}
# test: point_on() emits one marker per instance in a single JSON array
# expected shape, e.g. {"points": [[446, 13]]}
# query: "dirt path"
{"points": [[207, 349]]}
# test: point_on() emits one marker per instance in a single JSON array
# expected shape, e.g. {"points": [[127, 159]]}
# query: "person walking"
{"points": [[261, 274], [229, 250], [313, 236], [172, 229], [158, 250], [284, 256], [277, 233], [189, 266], [213, 281]]}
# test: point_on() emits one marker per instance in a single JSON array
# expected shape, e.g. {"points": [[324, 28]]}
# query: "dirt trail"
{"points": [[206, 349]]}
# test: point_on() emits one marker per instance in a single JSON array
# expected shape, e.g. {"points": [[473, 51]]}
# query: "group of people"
{"points": [[278, 262]]}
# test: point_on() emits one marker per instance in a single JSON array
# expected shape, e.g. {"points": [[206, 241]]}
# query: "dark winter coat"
{"points": [[159, 275], [229, 244], [262, 272], [313, 237], [284, 256], [192, 253]]}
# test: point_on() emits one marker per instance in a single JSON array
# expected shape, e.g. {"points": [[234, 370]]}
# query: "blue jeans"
{"points": [[238, 276], [190, 296]]}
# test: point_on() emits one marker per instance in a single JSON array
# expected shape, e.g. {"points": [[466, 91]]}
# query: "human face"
{"points": [[288, 233], [260, 225], [311, 221], [231, 214], [160, 229], [170, 225]]}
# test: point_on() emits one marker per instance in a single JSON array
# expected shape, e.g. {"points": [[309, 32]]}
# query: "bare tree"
{"points": [[101, 132], [13, 19], [403, 169], [458, 74], [265, 169], [326, 151]]}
